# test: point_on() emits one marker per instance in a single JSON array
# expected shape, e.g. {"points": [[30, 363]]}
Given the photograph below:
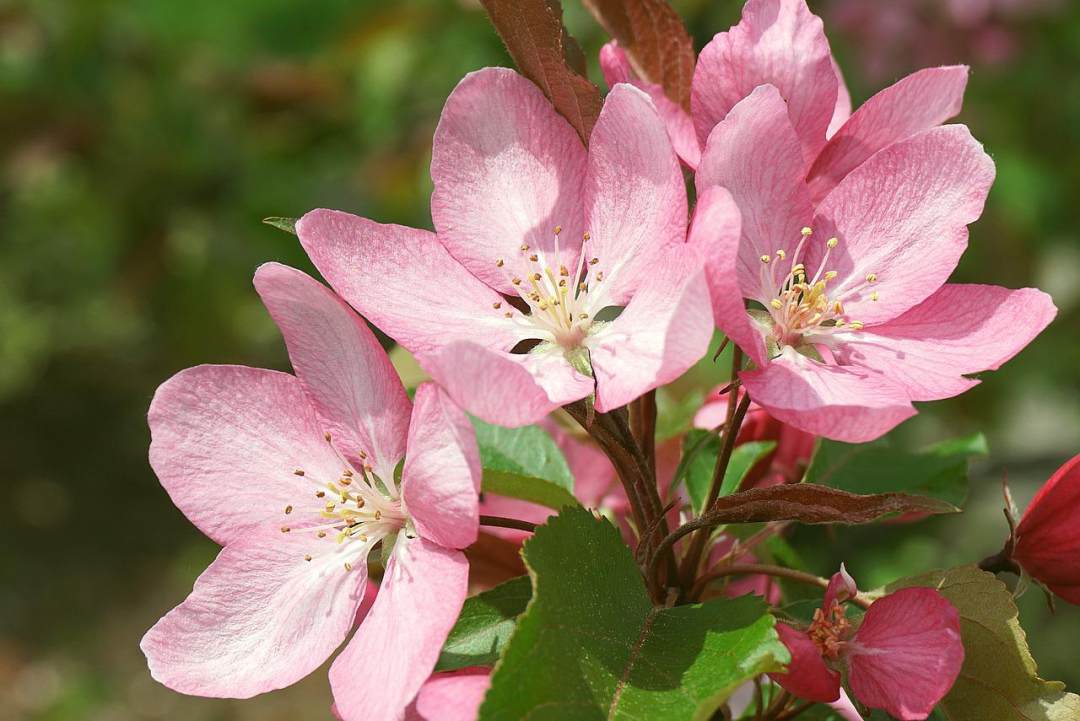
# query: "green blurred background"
{"points": [[142, 142]]}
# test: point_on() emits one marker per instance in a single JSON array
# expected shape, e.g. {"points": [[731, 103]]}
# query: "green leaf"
{"points": [[939, 471], [524, 463], [485, 625], [700, 467], [999, 679], [286, 224], [592, 646]]}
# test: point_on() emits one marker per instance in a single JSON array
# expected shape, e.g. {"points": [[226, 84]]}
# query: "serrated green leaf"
{"points": [[286, 224], [699, 468], [524, 463], [938, 471], [485, 625], [999, 679], [591, 645]]}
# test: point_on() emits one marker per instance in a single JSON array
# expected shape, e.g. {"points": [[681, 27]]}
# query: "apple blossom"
{"points": [[300, 477], [851, 317], [537, 241], [903, 656]]}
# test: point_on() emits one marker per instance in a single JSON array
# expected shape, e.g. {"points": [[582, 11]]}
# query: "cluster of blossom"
{"points": [[820, 245]]}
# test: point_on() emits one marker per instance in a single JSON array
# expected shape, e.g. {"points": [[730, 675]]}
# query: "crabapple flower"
{"points": [[1047, 543], [903, 656], [851, 318], [785, 464], [538, 244], [300, 478]]}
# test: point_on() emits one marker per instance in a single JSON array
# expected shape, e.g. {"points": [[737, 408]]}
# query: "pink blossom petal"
{"points": [[680, 127], [225, 443], [842, 111], [807, 676], [403, 281], [259, 618], [441, 478], [845, 708], [341, 365], [664, 330], [907, 653], [635, 193], [754, 154], [394, 650], [716, 232], [507, 389], [453, 696], [902, 216], [1048, 537], [960, 329], [920, 101], [507, 169], [845, 403], [780, 43]]}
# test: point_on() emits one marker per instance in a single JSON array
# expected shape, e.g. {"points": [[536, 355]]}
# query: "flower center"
{"points": [[561, 303], [802, 308], [357, 508], [829, 630]]}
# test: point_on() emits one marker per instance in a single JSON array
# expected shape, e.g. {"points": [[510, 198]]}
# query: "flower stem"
{"points": [[736, 413], [501, 522], [762, 569]]}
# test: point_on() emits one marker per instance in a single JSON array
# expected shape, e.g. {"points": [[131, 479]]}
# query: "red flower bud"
{"points": [[1048, 536]]}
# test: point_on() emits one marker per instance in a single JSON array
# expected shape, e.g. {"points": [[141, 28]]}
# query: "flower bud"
{"points": [[1047, 542]]}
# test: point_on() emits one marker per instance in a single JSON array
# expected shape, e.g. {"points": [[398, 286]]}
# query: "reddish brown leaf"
{"points": [[809, 503], [544, 52], [654, 38]]}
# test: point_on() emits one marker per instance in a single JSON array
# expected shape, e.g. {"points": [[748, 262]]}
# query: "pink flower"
{"points": [[785, 464], [297, 477], [535, 237], [1048, 535], [903, 658], [852, 320], [452, 696]]}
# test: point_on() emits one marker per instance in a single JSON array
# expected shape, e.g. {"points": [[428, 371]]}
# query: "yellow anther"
{"points": [[508, 314], [496, 305], [874, 296], [856, 325], [320, 494], [516, 281], [288, 510], [599, 276], [781, 254], [838, 308], [524, 247], [832, 242], [345, 480], [307, 557], [321, 534], [499, 263], [328, 437], [806, 231], [285, 529], [871, 277], [298, 472], [585, 235], [348, 566], [594, 261], [765, 259], [776, 303], [534, 257], [583, 316], [830, 274], [798, 268], [563, 271]]}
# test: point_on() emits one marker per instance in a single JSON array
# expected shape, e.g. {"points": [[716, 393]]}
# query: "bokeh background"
{"points": [[141, 142]]}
